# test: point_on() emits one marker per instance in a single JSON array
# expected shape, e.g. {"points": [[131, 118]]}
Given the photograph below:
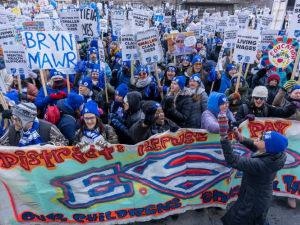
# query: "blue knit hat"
{"points": [[216, 99], [163, 30], [122, 90], [219, 40], [126, 63], [12, 98], [171, 68], [222, 99], [197, 58], [96, 68], [186, 58], [94, 44], [275, 142], [86, 81], [180, 80], [55, 74], [196, 77], [119, 54], [156, 105], [74, 101], [234, 80], [145, 69], [230, 67], [22, 76], [294, 88], [92, 50], [209, 65], [90, 107]]}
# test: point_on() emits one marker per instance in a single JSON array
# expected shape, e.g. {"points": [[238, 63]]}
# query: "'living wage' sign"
{"points": [[50, 49]]}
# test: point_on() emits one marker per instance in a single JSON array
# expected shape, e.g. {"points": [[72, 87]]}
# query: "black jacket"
{"points": [[272, 92], [208, 84], [214, 55], [256, 189], [264, 111]]}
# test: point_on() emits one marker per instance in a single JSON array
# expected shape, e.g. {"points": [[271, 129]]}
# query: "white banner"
{"points": [[232, 21], [265, 22], [7, 36], [246, 46], [128, 44], [149, 47], [140, 19], [208, 28], [88, 22], [15, 59], [103, 25], [180, 17], [196, 31], [294, 26], [267, 36], [230, 34], [223, 23], [243, 20], [71, 22], [50, 49], [117, 24], [167, 21]]}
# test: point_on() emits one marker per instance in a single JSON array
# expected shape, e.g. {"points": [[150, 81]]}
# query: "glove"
{"points": [[235, 96], [152, 87], [150, 117], [22, 96], [249, 117], [115, 116], [118, 124], [114, 73], [238, 137], [169, 102], [132, 87], [174, 129], [100, 145], [64, 94], [160, 89], [56, 96], [263, 71], [32, 75], [296, 103], [7, 114], [223, 124], [83, 146], [289, 84], [292, 106]]}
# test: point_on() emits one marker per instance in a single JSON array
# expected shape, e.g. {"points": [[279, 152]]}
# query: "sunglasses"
{"points": [[198, 64], [256, 98], [178, 41], [262, 138], [142, 73]]}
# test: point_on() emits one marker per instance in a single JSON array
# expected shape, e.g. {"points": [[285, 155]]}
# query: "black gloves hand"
{"points": [[114, 73], [7, 114], [152, 87], [292, 106], [150, 117], [169, 101], [106, 106], [132, 87], [174, 129], [23, 96]]}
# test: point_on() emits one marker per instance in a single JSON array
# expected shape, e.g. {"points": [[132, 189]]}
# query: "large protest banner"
{"points": [[128, 44], [246, 45], [50, 49], [71, 22], [167, 174]]}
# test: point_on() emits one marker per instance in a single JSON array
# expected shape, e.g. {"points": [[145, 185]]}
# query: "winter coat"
{"points": [[255, 194], [197, 108], [8, 79], [67, 123], [214, 55], [263, 111], [123, 78], [32, 92], [41, 101], [225, 82], [208, 84], [272, 92], [283, 100], [139, 133], [181, 112], [244, 91]]}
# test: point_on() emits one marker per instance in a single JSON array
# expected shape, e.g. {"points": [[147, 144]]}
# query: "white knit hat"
{"points": [[260, 91]]}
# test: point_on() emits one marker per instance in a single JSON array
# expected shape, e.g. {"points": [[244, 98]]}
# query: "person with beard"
{"points": [[214, 54], [197, 67], [170, 73], [226, 78], [154, 122], [70, 110], [29, 91], [258, 107], [56, 90], [289, 93]]}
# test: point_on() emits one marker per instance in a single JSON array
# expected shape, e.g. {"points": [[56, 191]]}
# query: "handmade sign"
{"points": [[101, 51], [140, 19], [46, 19], [88, 22], [71, 22], [11, 18], [3, 19], [246, 45], [117, 24], [33, 26], [177, 44], [7, 36], [18, 36], [128, 44], [149, 48], [230, 35], [267, 36], [281, 53], [15, 59], [165, 175], [294, 24], [190, 41], [103, 25], [158, 18], [222, 24], [243, 20], [50, 49]]}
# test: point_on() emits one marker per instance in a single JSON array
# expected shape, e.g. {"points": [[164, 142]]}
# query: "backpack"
{"points": [[52, 114]]}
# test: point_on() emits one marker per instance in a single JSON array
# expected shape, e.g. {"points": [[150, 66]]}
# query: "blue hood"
{"points": [[213, 100], [61, 106]]}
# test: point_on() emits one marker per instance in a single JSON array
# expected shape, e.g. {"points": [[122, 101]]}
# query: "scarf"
{"points": [[155, 129], [59, 85], [92, 136], [88, 97], [31, 137], [198, 49], [143, 83], [148, 90]]}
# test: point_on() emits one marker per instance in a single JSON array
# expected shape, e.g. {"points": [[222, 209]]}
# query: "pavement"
{"points": [[279, 214]]}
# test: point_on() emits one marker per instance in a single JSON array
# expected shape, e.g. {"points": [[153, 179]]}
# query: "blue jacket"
{"points": [[225, 83], [71, 76], [123, 78], [67, 123], [107, 69], [117, 66], [41, 101]]}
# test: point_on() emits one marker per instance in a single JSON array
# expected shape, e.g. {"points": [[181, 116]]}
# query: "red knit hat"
{"points": [[274, 76]]}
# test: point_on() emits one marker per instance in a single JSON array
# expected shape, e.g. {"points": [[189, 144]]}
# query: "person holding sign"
{"points": [[214, 54], [29, 91], [56, 90], [226, 77]]}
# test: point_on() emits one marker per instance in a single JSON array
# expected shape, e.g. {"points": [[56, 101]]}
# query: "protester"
{"points": [[117, 104], [217, 102], [124, 74], [197, 67], [185, 64], [259, 172], [11, 99], [27, 129], [273, 87], [214, 54], [226, 78], [170, 73]]}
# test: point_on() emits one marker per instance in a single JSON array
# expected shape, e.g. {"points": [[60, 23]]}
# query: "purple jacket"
{"points": [[210, 122]]}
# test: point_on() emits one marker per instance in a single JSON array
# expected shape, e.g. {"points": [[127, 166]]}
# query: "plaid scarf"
{"points": [[31, 137], [155, 129]]}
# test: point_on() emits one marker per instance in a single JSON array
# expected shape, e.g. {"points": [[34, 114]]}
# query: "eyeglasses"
{"points": [[15, 119], [89, 118], [198, 64], [262, 138], [178, 41], [256, 98]]}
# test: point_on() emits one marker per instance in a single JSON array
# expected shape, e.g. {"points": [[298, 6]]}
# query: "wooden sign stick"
{"points": [[238, 81]]}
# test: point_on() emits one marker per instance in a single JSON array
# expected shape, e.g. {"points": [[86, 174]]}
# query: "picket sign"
{"points": [[238, 80], [44, 84], [19, 84], [68, 83], [295, 67], [247, 68], [157, 79], [131, 70], [230, 55], [5, 107]]}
